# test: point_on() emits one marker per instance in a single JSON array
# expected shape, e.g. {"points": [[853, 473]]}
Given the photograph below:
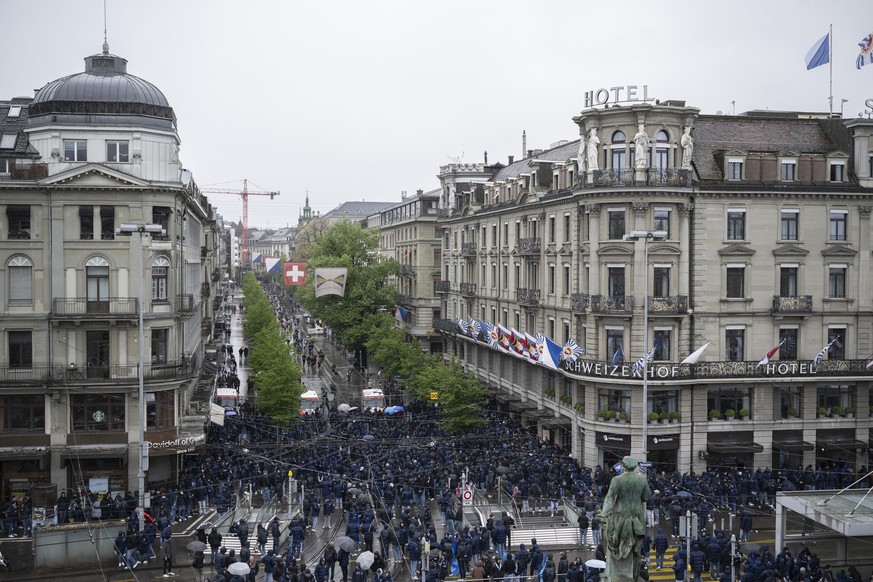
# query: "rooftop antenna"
{"points": [[105, 40]]}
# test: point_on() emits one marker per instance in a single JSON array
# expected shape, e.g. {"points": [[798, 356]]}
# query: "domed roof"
{"points": [[104, 87]]}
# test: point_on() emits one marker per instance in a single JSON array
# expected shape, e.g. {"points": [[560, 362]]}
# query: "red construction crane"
{"points": [[245, 217]]}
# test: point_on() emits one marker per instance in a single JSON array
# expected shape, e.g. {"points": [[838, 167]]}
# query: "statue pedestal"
{"points": [[640, 175]]}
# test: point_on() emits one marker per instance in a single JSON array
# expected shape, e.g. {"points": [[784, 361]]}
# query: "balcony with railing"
{"points": [[669, 177], [205, 290], [525, 296], [528, 246], [185, 303], [468, 249], [82, 307], [674, 304], [442, 286], [443, 212], [27, 172], [404, 299], [467, 289], [789, 304], [579, 302], [612, 303], [95, 373], [446, 325], [407, 271]]}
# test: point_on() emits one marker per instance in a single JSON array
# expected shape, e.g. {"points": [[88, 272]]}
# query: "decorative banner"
{"points": [[473, 328], [571, 351], [550, 352], [866, 56], [492, 335], [331, 281], [295, 274], [462, 324], [400, 314], [274, 265]]}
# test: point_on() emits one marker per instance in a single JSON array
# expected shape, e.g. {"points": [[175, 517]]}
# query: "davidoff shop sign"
{"points": [[609, 440]]}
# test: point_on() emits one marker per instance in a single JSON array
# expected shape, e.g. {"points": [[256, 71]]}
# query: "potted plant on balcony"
{"points": [[566, 399], [675, 416], [792, 412], [849, 411], [609, 415], [744, 413], [664, 417], [836, 411], [653, 417], [730, 414], [821, 412], [550, 392], [580, 408], [622, 416], [714, 414]]}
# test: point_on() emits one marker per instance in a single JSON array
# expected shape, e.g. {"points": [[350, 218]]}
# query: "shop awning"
{"points": [[843, 444], [734, 448], [794, 446]]}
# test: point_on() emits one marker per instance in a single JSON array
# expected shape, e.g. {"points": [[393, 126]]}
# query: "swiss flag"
{"points": [[295, 274]]}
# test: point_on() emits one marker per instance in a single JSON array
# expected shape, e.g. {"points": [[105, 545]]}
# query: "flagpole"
{"points": [[831, 68]]}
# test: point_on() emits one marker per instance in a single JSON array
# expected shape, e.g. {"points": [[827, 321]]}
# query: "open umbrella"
{"points": [[354, 491], [346, 543], [231, 413], [596, 564], [365, 560], [196, 546], [369, 437], [343, 407], [239, 569], [399, 409], [389, 410]]}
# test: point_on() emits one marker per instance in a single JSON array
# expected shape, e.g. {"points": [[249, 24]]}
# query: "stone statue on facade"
{"points": [[593, 149], [687, 148], [624, 519], [641, 149]]}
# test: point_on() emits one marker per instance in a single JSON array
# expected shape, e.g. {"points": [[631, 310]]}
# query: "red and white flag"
{"points": [[295, 274], [766, 359]]}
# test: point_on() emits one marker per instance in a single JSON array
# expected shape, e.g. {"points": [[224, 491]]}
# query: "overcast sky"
{"points": [[362, 100]]}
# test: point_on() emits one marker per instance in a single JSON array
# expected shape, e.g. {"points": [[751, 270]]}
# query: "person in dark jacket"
{"points": [[197, 565], [661, 544], [342, 558], [697, 561], [563, 567], [120, 548], [214, 540], [522, 560], [549, 571], [713, 554], [584, 524], [413, 549]]}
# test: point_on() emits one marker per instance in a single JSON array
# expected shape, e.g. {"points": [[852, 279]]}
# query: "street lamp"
{"points": [[646, 236], [140, 230]]}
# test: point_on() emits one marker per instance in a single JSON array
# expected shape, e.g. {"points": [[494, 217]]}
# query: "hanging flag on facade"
{"points": [[533, 351], [824, 351], [274, 265], [492, 334], [571, 351], [295, 274], [618, 358], [820, 53], [766, 359], [866, 56], [638, 365], [550, 352], [694, 357], [331, 281], [400, 314]]}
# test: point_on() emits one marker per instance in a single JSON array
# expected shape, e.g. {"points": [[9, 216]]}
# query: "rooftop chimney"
{"points": [[523, 141], [511, 159]]}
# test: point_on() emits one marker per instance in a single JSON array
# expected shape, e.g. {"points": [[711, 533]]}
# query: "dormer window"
{"points": [[838, 171], [787, 170], [735, 168], [14, 111]]}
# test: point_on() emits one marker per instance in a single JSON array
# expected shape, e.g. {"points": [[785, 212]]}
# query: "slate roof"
{"points": [[753, 133], [355, 210], [561, 153], [16, 125]]}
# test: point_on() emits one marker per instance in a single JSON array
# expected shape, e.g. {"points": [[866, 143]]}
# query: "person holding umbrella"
{"points": [[197, 565]]}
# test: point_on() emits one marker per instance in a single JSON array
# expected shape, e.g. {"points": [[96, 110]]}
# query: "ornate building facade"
{"points": [[666, 229], [96, 153]]}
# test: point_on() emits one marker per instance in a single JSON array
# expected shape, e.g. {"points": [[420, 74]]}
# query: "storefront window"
{"points": [[615, 401], [23, 413], [790, 402], [729, 398], [663, 401], [835, 398], [97, 412]]}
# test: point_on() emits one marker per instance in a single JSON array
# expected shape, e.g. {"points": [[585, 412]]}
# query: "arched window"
{"points": [[662, 151], [97, 284], [20, 271], [619, 151], [160, 269]]}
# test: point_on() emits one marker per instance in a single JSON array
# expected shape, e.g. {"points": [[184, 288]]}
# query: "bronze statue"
{"points": [[624, 515]]}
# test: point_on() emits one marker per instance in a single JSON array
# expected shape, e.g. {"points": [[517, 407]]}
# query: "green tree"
{"points": [[275, 371], [460, 394], [396, 355], [353, 317]]}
